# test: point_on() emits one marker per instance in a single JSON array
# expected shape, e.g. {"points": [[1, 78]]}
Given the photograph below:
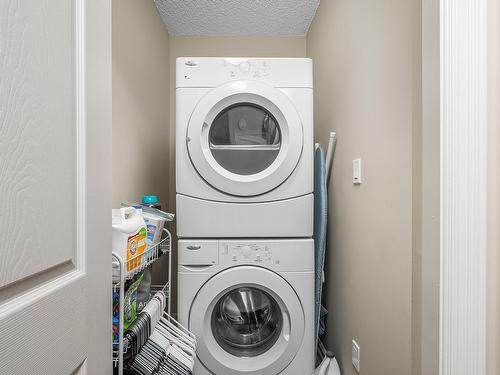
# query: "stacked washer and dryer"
{"points": [[244, 175]]}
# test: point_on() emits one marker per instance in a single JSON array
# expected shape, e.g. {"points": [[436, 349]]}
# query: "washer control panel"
{"points": [[281, 255], [247, 252]]}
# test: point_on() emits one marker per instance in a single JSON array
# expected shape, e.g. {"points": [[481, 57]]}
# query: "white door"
{"points": [[55, 126], [246, 327], [245, 138]]}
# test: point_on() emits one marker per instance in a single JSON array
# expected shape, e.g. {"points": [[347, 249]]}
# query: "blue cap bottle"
{"points": [[151, 201]]}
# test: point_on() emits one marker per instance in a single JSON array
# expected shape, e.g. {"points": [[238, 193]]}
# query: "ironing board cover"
{"points": [[320, 217]]}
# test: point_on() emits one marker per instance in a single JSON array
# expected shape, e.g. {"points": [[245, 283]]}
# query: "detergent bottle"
{"points": [[129, 236]]}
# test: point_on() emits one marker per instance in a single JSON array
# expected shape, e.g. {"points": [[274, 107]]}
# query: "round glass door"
{"points": [[245, 138], [246, 322], [244, 327]]}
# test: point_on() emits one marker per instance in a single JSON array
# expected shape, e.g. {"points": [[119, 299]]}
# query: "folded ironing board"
{"points": [[320, 218]]}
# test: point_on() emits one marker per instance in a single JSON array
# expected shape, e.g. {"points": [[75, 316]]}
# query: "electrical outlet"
{"points": [[356, 356], [356, 171]]}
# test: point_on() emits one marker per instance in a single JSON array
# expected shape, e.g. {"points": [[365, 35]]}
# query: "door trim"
{"points": [[463, 36], [80, 112], [98, 121]]}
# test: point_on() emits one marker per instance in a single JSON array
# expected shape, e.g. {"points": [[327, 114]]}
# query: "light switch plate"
{"points": [[356, 171], [356, 356]]}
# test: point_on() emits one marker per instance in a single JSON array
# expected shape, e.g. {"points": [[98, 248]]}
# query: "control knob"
{"points": [[246, 251], [244, 66]]}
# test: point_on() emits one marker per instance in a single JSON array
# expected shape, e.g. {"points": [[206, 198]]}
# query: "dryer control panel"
{"points": [[246, 68], [215, 71]]}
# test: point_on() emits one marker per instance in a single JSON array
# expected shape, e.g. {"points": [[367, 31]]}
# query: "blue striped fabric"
{"points": [[320, 217]]}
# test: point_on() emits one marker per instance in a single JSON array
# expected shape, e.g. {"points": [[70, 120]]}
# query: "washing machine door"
{"points": [[245, 138], [247, 320]]}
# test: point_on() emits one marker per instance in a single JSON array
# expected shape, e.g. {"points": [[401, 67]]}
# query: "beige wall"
{"points": [[141, 106], [363, 54], [426, 192], [140, 102]]}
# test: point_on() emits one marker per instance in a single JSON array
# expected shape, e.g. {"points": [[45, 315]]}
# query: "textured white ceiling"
{"points": [[237, 17]]}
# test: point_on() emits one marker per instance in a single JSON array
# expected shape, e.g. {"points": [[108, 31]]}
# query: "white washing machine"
{"points": [[244, 147], [250, 304]]}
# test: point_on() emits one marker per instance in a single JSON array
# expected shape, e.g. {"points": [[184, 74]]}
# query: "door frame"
{"points": [[96, 117], [463, 186]]}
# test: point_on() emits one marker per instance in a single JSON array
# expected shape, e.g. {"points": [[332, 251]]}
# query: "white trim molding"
{"points": [[463, 186], [80, 92]]}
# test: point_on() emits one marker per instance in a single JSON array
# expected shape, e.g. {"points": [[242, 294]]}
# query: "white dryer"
{"points": [[250, 304], [244, 147]]}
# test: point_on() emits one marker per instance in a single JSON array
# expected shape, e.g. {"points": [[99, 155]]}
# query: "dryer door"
{"points": [[248, 320], [245, 138]]}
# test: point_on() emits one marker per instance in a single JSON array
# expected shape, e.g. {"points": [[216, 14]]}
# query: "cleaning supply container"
{"points": [[154, 226], [129, 236], [154, 222], [151, 201]]}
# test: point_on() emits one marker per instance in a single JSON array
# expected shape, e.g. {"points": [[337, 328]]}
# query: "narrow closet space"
{"points": [[242, 243], [146, 337]]}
